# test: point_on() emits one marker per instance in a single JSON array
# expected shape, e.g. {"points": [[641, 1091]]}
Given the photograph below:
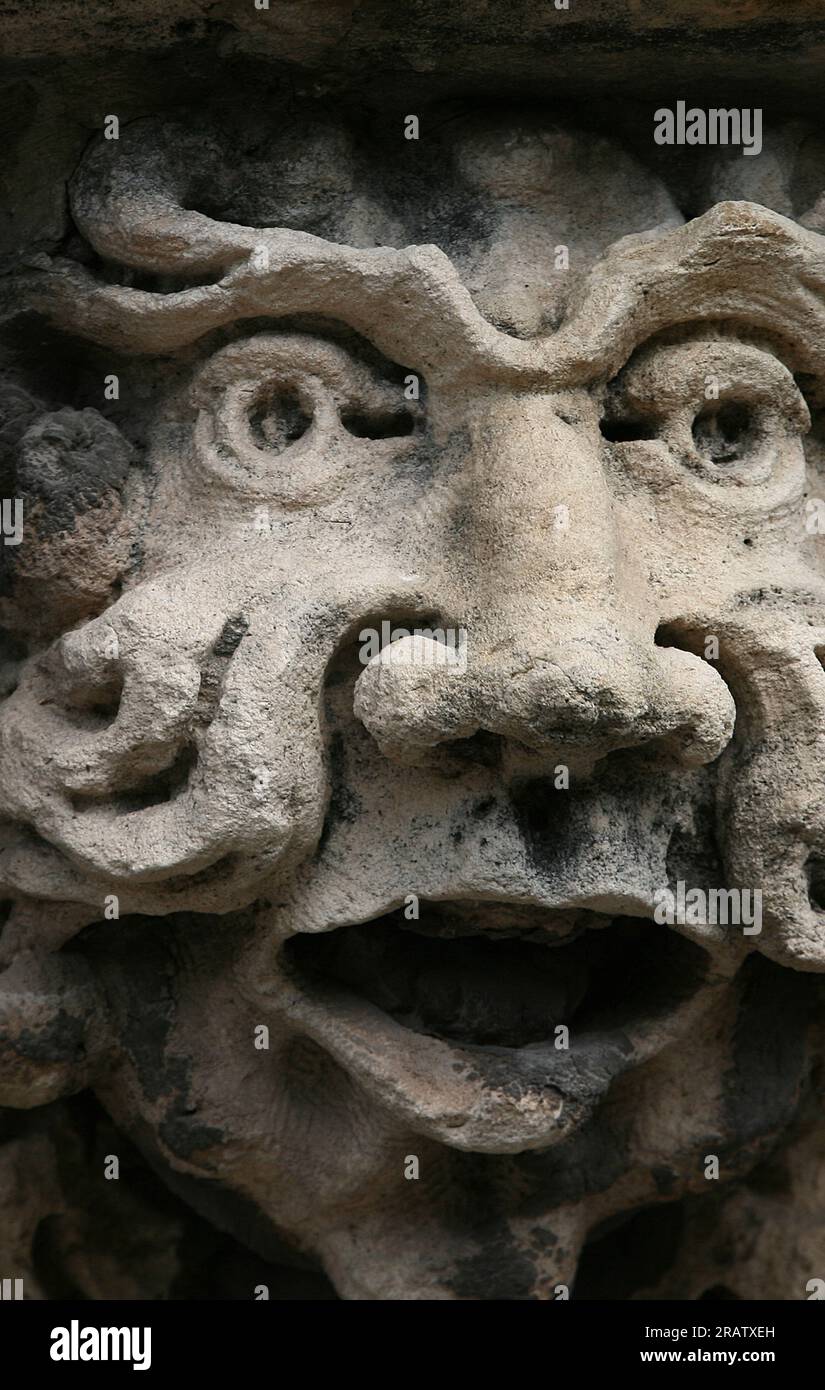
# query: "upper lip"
{"points": [[496, 1093]]}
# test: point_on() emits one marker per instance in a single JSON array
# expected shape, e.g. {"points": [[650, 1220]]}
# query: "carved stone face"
{"points": [[443, 600]]}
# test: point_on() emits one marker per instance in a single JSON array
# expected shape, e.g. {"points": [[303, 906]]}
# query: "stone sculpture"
{"points": [[356, 943]]}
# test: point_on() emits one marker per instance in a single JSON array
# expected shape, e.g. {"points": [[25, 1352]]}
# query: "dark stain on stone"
{"points": [[232, 634], [664, 1178], [761, 1089], [500, 1268], [140, 974], [182, 1134], [344, 806], [629, 1252], [71, 460], [227, 1210], [591, 1161], [543, 1240], [62, 1040], [543, 815]]}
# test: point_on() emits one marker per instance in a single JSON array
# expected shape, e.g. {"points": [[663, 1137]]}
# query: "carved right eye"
{"points": [[727, 411]]}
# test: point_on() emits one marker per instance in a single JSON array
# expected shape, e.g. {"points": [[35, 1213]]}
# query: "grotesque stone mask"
{"points": [[438, 590]]}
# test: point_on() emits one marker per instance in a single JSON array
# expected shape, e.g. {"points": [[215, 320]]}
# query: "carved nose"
{"points": [[418, 693], [556, 648]]}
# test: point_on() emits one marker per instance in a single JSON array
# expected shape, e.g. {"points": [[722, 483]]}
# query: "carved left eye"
{"points": [[287, 416], [728, 411]]}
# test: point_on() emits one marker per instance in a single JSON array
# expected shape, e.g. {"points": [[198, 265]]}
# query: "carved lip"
{"points": [[456, 1022]]}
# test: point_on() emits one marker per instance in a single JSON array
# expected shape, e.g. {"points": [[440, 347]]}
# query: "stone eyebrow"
{"points": [[737, 261]]}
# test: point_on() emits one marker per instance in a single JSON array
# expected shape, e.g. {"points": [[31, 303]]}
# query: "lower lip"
{"points": [[488, 1097]]}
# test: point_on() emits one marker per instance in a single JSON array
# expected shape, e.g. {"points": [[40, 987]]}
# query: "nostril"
{"points": [[680, 637]]}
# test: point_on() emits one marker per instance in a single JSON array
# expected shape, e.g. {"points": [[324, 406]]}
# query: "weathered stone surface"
{"points": [[443, 582]]}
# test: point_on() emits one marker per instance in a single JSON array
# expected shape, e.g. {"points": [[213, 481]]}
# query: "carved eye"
{"points": [[289, 416], [738, 439], [282, 418], [727, 411]]}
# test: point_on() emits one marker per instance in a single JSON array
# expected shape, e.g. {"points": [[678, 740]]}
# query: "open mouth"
{"points": [[492, 1026], [493, 975]]}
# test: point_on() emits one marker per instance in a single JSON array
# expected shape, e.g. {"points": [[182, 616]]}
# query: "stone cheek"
{"points": [[375, 668]]}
